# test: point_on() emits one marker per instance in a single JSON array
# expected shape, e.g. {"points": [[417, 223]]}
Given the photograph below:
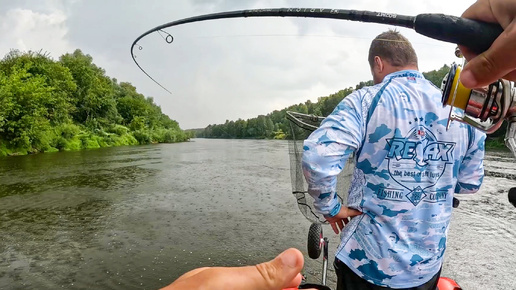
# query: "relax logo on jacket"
{"points": [[419, 158]]}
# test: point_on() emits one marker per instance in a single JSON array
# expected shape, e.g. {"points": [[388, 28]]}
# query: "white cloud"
{"points": [[25, 30]]}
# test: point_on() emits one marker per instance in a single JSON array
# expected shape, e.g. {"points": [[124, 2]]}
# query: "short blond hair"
{"points": [[394, 48]]}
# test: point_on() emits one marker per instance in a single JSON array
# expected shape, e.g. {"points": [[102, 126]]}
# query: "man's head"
{"points": [[390, 52]]}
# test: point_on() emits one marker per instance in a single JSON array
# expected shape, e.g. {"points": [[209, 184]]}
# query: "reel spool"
{"points": [[483, 108]]}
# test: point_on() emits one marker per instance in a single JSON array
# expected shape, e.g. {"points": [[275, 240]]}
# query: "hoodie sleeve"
{"points": [[326, 150], [471, 170]]}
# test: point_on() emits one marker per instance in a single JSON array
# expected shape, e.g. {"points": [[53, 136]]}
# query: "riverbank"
{"points": [[80, 138]]}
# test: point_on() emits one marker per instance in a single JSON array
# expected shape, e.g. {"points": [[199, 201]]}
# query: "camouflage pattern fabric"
{"points": [[408, 167]]}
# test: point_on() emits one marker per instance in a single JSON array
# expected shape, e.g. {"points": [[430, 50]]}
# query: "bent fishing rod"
{"points": [[475, 35]]}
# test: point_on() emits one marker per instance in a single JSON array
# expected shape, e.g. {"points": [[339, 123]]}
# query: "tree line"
{"points": [[275, 125], [50, 105]]}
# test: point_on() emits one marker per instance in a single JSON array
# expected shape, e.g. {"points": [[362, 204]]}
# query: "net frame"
{"points": [[301, 126]]}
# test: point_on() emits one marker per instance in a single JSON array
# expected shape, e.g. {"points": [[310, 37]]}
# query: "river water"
{"points": [[139, 217]]}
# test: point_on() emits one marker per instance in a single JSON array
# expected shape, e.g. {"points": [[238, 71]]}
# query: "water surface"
{"points": [[139, 217]]}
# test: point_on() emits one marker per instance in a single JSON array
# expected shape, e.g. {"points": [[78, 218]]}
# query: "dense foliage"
{"points": [[70, 104], [273, 125], [276, 126]]}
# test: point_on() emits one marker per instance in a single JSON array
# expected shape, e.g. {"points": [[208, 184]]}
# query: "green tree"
{"points": [[364, 84], [94, 98], [35, 94], [436, 76], [70, 104]]}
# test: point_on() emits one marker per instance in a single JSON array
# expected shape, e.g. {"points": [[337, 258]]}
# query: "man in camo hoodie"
{"points": [[408, 167]]}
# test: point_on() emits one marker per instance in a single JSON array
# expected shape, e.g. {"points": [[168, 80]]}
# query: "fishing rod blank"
{"points": [[475, 35]]}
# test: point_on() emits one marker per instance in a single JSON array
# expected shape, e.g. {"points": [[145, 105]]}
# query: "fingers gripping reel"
{"points": [[483, 108]]}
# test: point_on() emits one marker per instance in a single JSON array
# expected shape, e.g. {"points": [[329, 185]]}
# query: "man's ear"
{"points": [[379, 64]]}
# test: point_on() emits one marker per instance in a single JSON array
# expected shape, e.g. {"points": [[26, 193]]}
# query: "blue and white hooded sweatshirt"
{"points": [[408, 166]]}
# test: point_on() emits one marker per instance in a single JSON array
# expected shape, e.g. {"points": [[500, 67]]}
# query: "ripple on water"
{"points": [[124, 218], [481, 238]]}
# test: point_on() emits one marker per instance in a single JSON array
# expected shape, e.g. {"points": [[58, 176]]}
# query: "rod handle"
{"points": [[475, 35]]}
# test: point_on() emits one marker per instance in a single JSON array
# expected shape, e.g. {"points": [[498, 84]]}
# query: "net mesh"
{"points": [[301, 126]]}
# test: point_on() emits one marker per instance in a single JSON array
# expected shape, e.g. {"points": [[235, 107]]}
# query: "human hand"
{"points": [[499, 61], [338, 221], [281, 272]]}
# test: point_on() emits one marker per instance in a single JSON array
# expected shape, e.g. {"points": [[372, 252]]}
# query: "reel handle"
{"points": [[475, 35]]}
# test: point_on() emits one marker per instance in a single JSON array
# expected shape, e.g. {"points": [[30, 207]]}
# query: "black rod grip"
{"points": [[475, 35]]}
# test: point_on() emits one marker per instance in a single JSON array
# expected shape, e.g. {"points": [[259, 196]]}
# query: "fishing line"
{"points": [[477, 36], [308, 36]]}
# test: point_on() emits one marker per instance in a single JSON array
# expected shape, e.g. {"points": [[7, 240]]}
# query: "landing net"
{"points": [[301, 126]]}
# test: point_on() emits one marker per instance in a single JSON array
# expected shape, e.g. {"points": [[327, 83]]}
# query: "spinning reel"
{"points": [[483, 108]]}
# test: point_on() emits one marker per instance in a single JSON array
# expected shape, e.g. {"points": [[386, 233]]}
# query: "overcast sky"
{"points": [[221, 69]]}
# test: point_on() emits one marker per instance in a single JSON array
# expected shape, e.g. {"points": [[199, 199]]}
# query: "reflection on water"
{"points": [[138, 217], [99, 179], [55, 208]]}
